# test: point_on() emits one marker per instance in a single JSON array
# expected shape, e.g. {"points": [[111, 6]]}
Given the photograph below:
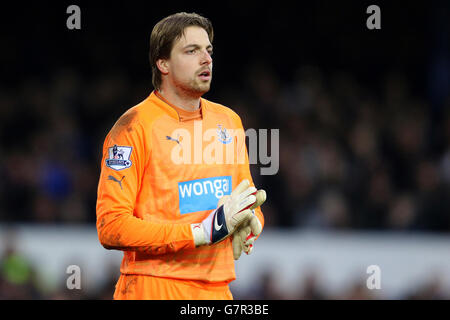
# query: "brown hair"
{"points": [[165, 33]]}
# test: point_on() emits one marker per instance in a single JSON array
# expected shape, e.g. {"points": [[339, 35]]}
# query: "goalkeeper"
{"points": [[180, 224]]}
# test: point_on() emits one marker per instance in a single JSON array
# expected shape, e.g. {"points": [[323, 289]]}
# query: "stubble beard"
{"points": [[194, 88]]}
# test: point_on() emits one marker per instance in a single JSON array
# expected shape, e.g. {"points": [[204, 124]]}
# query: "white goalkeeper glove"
{"points": [[223, 221], [245, 236]]}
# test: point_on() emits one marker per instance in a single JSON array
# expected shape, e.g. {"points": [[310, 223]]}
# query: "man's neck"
{"points": [[184, 102]]}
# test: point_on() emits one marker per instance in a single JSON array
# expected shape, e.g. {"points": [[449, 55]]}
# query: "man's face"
{"points": [[190, 64]]}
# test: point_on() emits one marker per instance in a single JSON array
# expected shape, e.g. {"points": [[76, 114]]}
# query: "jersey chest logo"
{"points": [[202, 194], [223, 135]]}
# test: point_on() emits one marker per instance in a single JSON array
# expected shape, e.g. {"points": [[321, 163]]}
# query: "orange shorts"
{"points": [[142, 287]]}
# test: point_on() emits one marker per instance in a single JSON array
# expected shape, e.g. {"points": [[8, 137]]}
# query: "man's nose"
{"points": [[206, 58]]}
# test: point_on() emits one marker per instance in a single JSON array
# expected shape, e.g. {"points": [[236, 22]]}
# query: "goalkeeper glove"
{"points": [[223, 221], [245, 235]]}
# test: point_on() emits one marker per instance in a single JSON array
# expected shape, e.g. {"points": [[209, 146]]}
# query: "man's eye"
{"points": [[191, 51], [210, 53]]}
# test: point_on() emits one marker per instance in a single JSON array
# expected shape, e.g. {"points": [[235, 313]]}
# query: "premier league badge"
{"points": [[119, 157]]}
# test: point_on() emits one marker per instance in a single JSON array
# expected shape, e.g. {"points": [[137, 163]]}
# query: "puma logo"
{"points": [[173, 139], [114, 179]]}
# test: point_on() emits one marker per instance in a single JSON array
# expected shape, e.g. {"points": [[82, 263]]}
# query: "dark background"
{"points": [[363, 114], [115, 34]]}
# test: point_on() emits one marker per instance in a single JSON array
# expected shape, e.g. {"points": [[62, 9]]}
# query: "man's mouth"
{"points": [[205, 75]]}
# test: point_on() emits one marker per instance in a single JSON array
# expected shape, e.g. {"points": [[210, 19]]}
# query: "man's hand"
{"points": [[231, 213], [245, 236]]}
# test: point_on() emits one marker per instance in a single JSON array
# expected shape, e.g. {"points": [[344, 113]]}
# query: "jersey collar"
{"points": [[169, 109]]}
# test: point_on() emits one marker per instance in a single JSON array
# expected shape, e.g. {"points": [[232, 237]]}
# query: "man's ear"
{"points": [[163, 66]]}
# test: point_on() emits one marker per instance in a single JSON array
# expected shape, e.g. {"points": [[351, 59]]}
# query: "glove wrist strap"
{"points": [[198, 231]]}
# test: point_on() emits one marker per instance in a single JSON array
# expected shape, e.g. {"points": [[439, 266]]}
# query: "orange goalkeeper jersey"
{"points": [[160, 173]]}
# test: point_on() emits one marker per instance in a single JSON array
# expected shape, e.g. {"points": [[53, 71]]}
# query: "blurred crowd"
{"points": [[19, 279], [51, 143], [310, 286], [351, 156]]}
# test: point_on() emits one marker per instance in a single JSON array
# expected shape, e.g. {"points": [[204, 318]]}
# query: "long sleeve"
{"points": [[125, 154]]}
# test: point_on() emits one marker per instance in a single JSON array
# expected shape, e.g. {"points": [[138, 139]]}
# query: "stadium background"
{"points": [[364, 141]]}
